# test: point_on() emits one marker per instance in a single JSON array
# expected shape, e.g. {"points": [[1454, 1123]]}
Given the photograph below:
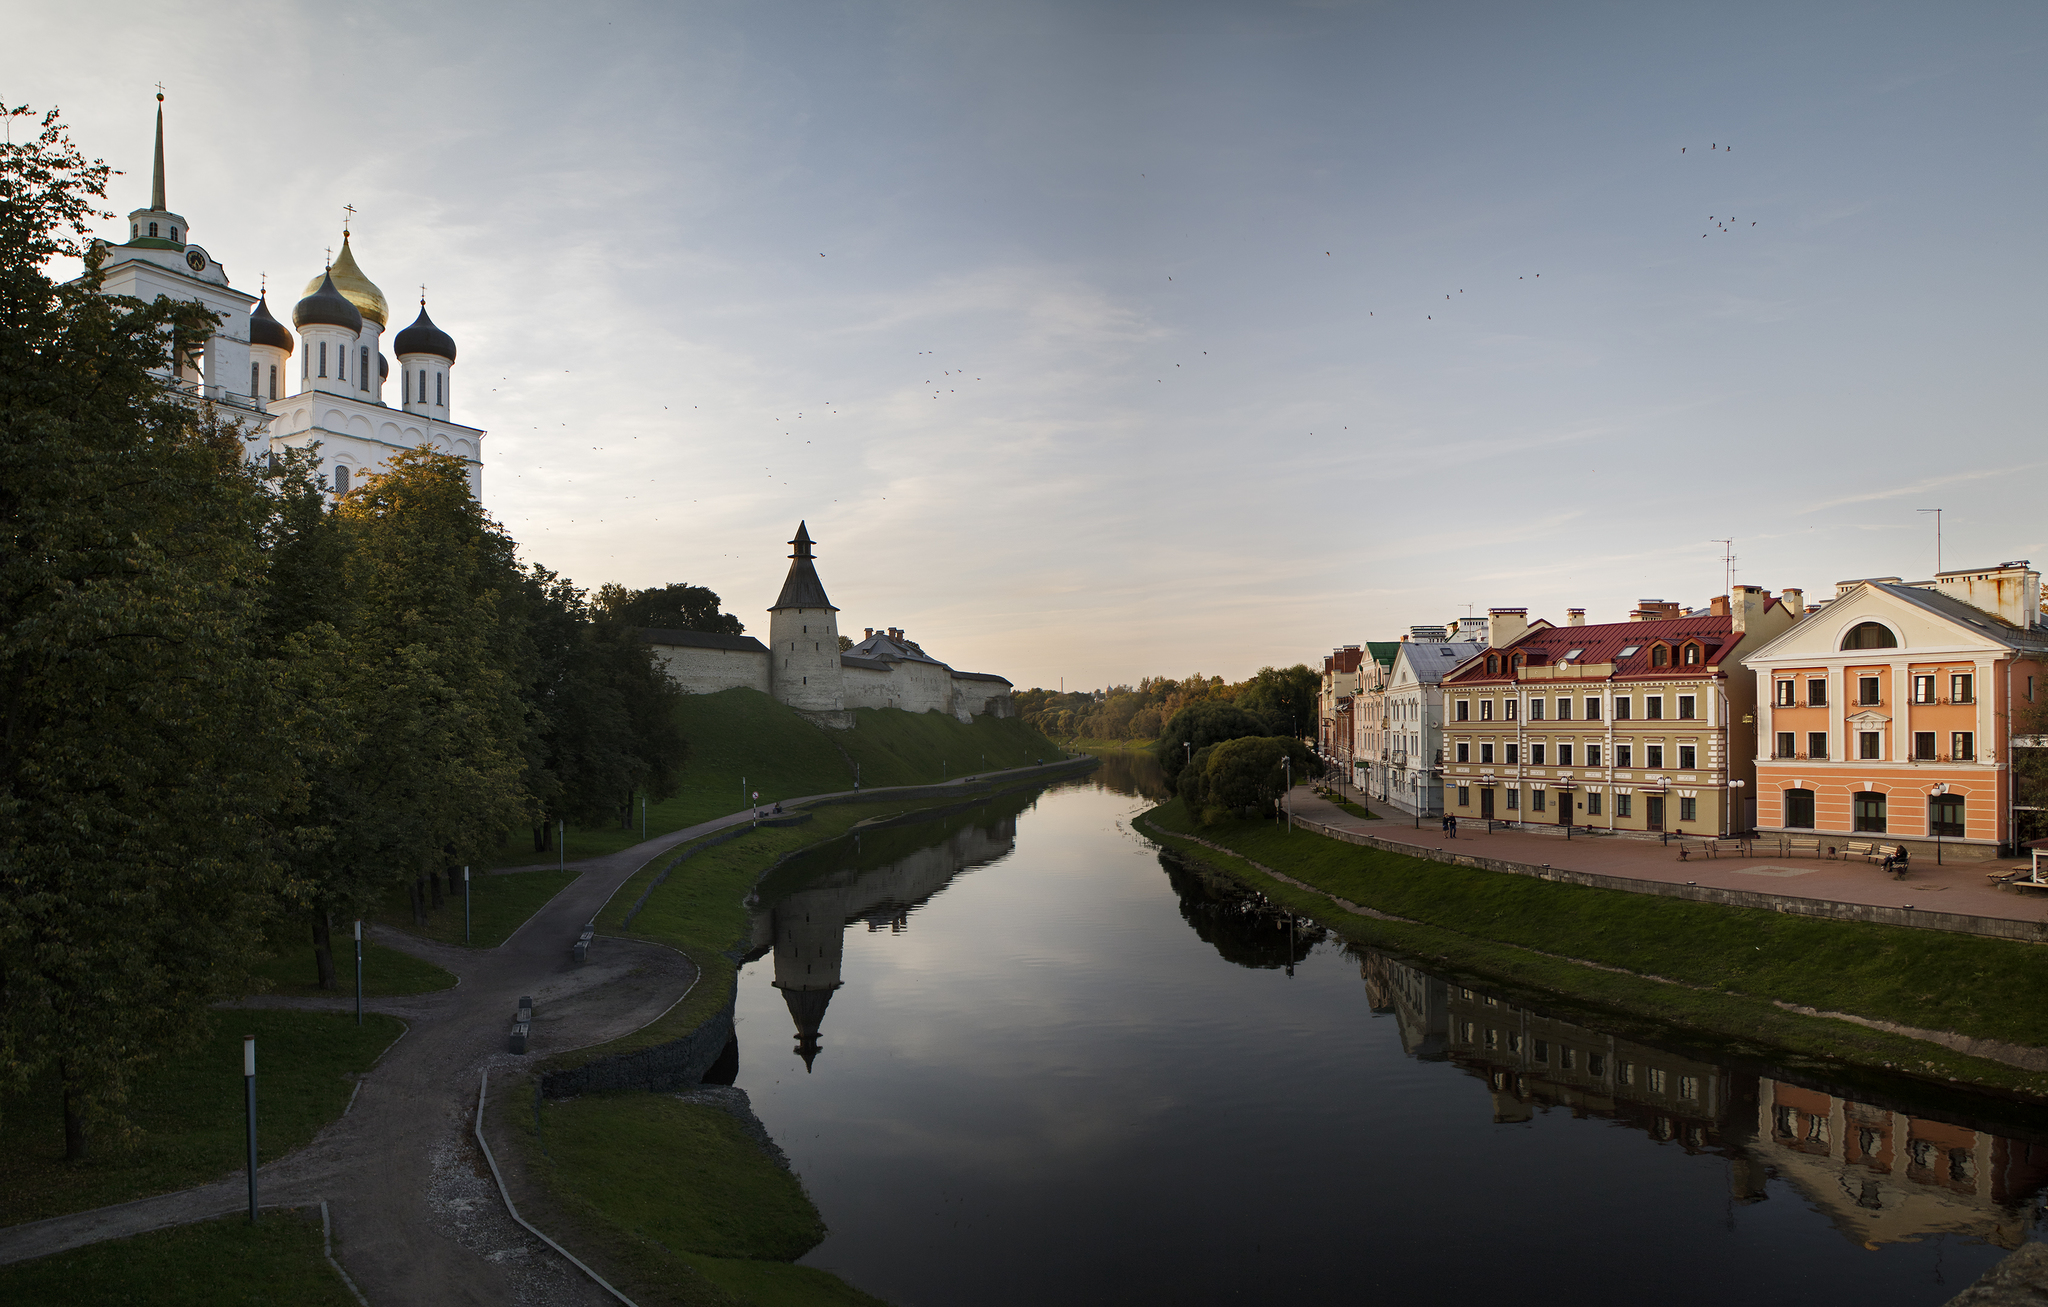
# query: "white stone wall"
{"points": [[707, 671], [805, 670], [867, 689]]}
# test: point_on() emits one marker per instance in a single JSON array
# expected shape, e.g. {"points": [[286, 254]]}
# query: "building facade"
{"points": [[1407, 773], [1890, 713], [1646, 725]]}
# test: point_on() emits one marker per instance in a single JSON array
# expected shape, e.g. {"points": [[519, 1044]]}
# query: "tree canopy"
{"points": [[678, 606]]}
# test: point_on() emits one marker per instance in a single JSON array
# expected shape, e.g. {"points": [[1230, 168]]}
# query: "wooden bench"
{"points": [[1859, 849], [2027, 883], [1795, 845]]}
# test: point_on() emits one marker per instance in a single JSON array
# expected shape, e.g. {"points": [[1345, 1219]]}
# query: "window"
{"points": [[1624, 805], [1568, 1058], [152, 229], [1510, 708], [1464, 796], [1653, 707], [1623, 754], [1799, 809], [1535, 710], [340, 479], [1519, 661], [1514, 797], [1869, 744], [1653, 756], [1564, 710], [1782, 697], [1870, 635], [1592, 803], [1962, 688], [1817, 745], [1783, 748], [273, 381], [1493, 664], [423, 386], [1867, 691], [340, 362], [1464, 751], [1658, 1080], [255, 376], [1564, 755], [1963, 746], [1622, 706], [1625, 1072], [1596, 1064], [1817, 692], [1688, 707], [323, 358], [1692, 655], [1870, 812], [1485, 753], [1486, 710], [1688, 809], [174, 233], [1688, 757], [1514, 754], [363, 371], [1923, 689], [1536, 800], [437, 388], [1923, 744], [1659, 656], [1592, 755], [1689, 1087], [1945, 814], [1592, 710], [1463, 711], [1536, 752]]}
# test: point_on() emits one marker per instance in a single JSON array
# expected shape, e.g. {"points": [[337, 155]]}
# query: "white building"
{"points": [[246, 366], [1410, 774]]}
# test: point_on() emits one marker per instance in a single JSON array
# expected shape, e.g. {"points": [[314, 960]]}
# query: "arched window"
{"points": [[363, 373], [1659, 656], [423, 388], [1945, 815], [152, 229], [1492, 665], [437, 388], [1692, 655], [1799, 809], [1870, 812], [255, 380], [134, 230], [174, 233], [340, 479], [1870, 635], [323, 358], [273, 381]]}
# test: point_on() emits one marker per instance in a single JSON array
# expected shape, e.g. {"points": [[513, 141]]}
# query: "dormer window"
{"points": [[1518, 662], [1492, 665], [1691, 655], [1660, 656]]}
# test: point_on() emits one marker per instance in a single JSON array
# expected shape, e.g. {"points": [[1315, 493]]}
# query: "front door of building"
{"points": [[1653, 810], [1486, 803], [1564, 807]]}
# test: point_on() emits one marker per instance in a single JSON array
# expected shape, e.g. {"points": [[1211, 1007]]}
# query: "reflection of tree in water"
{"points": [[1134, 772], [1243, 926]]}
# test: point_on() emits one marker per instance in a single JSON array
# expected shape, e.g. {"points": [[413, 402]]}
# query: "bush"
{"points": [[1249, 772]]}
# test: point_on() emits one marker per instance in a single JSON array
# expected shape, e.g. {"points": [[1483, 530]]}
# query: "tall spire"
{"points": [[802, 588], [156, 186]]}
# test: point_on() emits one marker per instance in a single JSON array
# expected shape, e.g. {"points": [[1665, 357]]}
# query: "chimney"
{"points": [[867, 633], [1718, 606], [1653, 610], [2011, 590], [1746, 607], [1795, 600], [1505, 624], [1574, 617]]}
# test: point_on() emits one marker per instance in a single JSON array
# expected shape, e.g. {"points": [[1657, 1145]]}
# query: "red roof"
{"points": [[1548, 645]]}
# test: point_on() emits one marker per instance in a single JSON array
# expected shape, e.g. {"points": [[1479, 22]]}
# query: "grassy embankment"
{"points": [[742, 741], [1110, 746], [223, 1263], [1699, 966], [387, 973], [189, 1110]]}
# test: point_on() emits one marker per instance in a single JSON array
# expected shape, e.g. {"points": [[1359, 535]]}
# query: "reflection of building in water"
{"points": [[1882, 1176], [806, 928]]}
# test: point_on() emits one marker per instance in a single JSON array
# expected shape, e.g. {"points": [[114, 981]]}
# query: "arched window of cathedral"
{"points": [[437, 388], [255, 376], [323, 358], [340, 479], [152, 229], [174, 233], [363, 372], [134, 230], [423, 387], [273, 381]]}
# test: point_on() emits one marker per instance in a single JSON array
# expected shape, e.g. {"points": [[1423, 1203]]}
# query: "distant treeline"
{"points": [[1283, 697]]}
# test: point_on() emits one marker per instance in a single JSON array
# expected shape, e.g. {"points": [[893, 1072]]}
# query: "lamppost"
{"points": [[249, 1082], [465, 905], [1287, 763], [359, 973], [1933, 794]]}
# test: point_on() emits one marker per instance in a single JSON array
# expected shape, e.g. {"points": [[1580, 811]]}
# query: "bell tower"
{"points": [[803, 640]]}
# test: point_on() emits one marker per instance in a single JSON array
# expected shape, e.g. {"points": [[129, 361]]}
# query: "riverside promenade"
{"points": [[1959, 888]]}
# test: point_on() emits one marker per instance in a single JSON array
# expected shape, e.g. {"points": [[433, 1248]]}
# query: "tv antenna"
{"points": [[1727, 566], [1937, 536]]}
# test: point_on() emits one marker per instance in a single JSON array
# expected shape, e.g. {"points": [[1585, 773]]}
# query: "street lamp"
{"points": [[249, 1082], [1288, 764], [359, 973], [1936, 792]]}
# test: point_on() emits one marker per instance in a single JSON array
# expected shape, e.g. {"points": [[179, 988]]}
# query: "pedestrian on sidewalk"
{"points": [[1451, 827]]}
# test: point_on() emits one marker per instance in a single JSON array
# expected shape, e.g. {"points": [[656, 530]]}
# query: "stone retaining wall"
{"points": [[1961, 923]]}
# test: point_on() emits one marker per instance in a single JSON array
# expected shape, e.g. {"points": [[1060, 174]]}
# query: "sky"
{"points": [[1099, 340]]}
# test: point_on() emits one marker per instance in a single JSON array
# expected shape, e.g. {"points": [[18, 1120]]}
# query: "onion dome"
{"points": [[266, 330], [358, 289], [423, 337], [326, 307], [383, 368]]}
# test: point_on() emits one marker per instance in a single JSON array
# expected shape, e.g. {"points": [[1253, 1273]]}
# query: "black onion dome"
{"points": [[423, 337], [266, 330], [383, 367], [327, 307]]}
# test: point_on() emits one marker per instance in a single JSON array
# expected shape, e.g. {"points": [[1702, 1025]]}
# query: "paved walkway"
{"points": [[1955, 887], [393, 1168]]}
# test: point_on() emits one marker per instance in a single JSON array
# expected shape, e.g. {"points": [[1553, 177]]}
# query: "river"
{"points": [[1018, 1057]]}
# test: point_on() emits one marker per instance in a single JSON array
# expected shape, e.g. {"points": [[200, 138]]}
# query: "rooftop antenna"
{"points": [[1727, 566], [1937, 536]]}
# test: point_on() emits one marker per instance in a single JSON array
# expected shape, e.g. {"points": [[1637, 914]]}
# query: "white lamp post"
{"points": [[359, 973], [249, 1080]]}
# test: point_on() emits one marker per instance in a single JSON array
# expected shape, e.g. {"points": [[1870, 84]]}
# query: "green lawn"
{"points": [[276, 1262], [1355, 809], [684, 1197], [1730, 962], [189, 1112], [499, 905], [742, 741], [387, 973]]}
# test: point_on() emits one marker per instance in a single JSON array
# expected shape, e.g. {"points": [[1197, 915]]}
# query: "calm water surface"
{"points": [[1019, 1058]]}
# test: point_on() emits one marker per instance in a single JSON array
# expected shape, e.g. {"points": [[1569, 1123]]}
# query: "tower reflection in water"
{"points": [[880, 877]]}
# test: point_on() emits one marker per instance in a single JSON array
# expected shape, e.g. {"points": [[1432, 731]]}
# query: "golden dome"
{"points": [[354, 286]]}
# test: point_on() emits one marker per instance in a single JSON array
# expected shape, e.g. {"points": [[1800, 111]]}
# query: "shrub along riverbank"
{"points": [[1717, 970]]}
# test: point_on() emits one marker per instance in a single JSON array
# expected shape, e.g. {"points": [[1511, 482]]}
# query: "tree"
{"points": [[143, 758], [1204, 723], [1247, 772], [1290, 696], [678, 606]]}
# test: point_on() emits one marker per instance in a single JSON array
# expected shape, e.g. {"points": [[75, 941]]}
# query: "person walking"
{"points": [[1451, 827]]}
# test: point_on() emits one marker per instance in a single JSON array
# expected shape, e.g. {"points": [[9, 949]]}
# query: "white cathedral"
{"points": [[246, 367]]}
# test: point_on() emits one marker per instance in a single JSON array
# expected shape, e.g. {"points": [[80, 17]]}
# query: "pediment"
{"points": [[1871, 718]]}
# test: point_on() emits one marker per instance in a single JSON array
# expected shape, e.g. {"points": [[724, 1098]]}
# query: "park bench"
{"points": [[581, 949], [1794, 845], [522, 1023], [1859, 849]]}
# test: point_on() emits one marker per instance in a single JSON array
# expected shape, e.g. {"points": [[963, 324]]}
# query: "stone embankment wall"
{"points": [[1960, 923], [707, 671]]}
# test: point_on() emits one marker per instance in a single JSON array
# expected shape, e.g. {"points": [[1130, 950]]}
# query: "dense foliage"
{"points": [[1284, 697], [228, 696], [1242, 776]]}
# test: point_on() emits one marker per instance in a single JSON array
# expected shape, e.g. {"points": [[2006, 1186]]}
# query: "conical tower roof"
{"points": [[802, 588], [807, 1009], [355, 287]]}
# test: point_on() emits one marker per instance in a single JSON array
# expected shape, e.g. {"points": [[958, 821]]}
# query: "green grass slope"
{"points": [[742, 741], [224, 1263]]}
